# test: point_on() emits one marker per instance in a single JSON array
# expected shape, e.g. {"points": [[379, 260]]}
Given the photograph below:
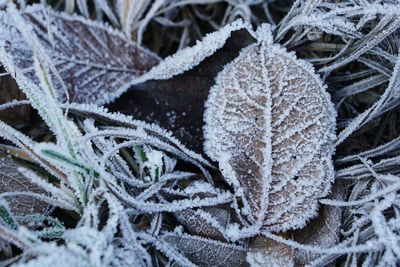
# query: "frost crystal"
{"points": [[271, 125]]}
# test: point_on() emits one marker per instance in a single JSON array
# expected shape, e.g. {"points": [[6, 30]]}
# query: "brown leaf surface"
{"points": [[208, 222], [204, 252]]}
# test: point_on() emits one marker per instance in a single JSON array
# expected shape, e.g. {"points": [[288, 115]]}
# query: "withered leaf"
{"points": [[270, 124], [266, 252], [12, 181], [324, 230], [95, 62], [207, 222], [177, 103], [206, 252]]}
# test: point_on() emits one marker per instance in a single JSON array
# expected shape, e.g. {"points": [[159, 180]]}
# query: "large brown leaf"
{"points": [[95, 62], [270, 124], [205, 252]]}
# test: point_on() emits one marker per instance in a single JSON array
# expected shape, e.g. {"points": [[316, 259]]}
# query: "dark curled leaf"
{"points": [[96, 62], [324, 230], [177, 103], [12, 181], [205, 252], [221, 213], [207, 222]]}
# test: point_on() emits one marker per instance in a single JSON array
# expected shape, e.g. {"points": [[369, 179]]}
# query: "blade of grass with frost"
{"points": [[104, 7], [360, 171], [51, 152], [143, 139], [391, 91], [389, 148], [69, 6], [64, 129], [144, 207], [376, 66], [368, 217], [6, 217], [130, 14], [27, 145], [34, 94], [189, 57], [54, 232], [14, 237], [62, 194], [83, 7], [58, 119], [135, 129], [361, 86], [387, 25]]}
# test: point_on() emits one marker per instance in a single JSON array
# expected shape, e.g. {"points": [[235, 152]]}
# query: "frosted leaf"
{"points": [[206, 252], [323, 231], [12, 181], [221, 214], [96, 62], [270, 124], [269, 253], [208, 222]]}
